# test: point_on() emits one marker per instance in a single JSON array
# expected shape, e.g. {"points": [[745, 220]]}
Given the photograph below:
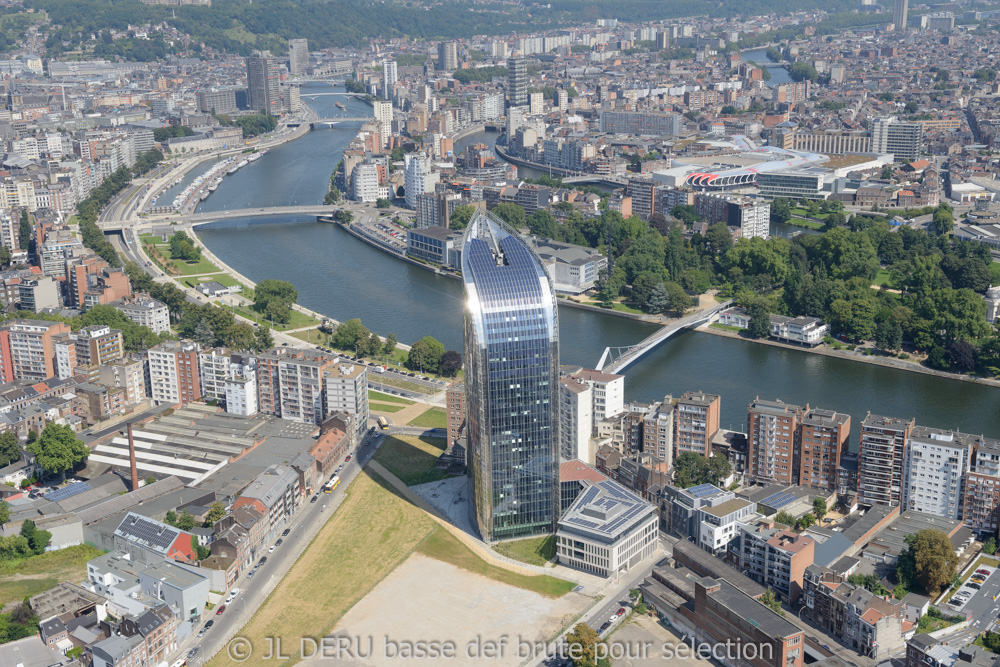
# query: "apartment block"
{"points": [[576, 419], [881, 453], [345, 389], [718, 525], [773, 442], [173, 373], [608, 391], [934, 471], [26, 350], [275, 493], [696, 421], [824, 438], [776, 557], [658, 431], [147, 312], [230, 378], [127, 374], [981, 511]]}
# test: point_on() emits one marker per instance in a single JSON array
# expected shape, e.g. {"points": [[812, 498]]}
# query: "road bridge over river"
{"points": [[196, 219]]}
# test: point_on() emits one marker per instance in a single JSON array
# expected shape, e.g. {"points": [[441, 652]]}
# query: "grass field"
{"points": [[296, 321], [882, 277], [533, 550], [808, 224], [31, 576], [725, 327], [388, 398], [223, 278], [444, 546], [182, 268], [370, 534], [412, 458], [995, 271], [385, 407], [405, 384], [433, 418]]}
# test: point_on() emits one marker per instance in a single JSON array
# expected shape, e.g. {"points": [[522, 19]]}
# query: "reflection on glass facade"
{"points": [[511, 379]]}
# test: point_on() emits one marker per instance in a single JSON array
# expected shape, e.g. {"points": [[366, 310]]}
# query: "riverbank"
{"points": [[851, 355]]}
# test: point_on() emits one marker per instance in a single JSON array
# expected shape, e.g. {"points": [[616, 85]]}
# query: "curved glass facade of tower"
{"points": [[511, 380]]}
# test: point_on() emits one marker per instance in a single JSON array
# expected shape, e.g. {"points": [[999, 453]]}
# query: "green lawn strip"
{"points": [[412, 459], [724, 327], [191, 268], [808, 224], [222, 278], [403, 384], [388, 398], [296, 321], [532, 550], [385, 407], [445, 547], [882, 277], [995, 271], [433, 418]]}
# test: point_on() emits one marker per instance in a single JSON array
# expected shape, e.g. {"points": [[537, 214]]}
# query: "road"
{"points": [[303, 527]]}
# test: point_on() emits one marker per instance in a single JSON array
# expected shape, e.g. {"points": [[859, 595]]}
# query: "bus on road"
{"points": [[332, 484], [383, 423]]}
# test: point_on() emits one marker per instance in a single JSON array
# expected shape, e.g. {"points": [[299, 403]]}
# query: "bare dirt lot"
{"points": [[639, 643], [464, 613]]}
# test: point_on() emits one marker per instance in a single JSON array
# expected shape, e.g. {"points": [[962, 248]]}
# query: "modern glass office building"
{"points": [[511, 379]]}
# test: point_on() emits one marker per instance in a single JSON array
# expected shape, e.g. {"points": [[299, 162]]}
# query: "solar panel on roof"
{"points": [[702, 490], [67, 491]]}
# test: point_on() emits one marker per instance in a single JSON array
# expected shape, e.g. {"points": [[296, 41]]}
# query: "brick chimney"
{"points": [[131, 458]]}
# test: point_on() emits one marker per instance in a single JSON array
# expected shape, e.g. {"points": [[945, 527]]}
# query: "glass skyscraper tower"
{"points": [[511, 380]]}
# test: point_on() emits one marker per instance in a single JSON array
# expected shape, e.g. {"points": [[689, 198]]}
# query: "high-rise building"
{"points": [[447, 56], [263, 83], [934, 471], [773, 442], [824, 439], [417, 177], [389, 78], [345, 389], [900, 13], [382, 111], [26, 349], [517, 82], [456, 411], [298, 56], [173, 373], [881, 452], [512, 383], [576, 418], [658, 431], [776, 557], [902, 139], [981, 509], [696, 422]]}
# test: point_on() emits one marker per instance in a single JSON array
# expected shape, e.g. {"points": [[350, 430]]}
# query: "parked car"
{"points": [[983, 571], [285, 532], [210, 623], [262, 561], [271, 550], [604, 627], [621, 610], [314, 499], [218, 612], [347, 459], [201, 633], [975, 586], [278, 543]]}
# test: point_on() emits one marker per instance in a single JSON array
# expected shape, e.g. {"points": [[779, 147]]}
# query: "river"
{"points": [[344, 278], [778, 72]]}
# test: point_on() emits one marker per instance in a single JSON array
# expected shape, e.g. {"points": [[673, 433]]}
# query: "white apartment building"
{"points": [[389, 78], [129, 374], [147, 312], [364, 182], [418, 177], [576, 419], [606, 530], [934, 471], [173, 372], [345, 389], [383, 116], [721, 524], [608, 392]]}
